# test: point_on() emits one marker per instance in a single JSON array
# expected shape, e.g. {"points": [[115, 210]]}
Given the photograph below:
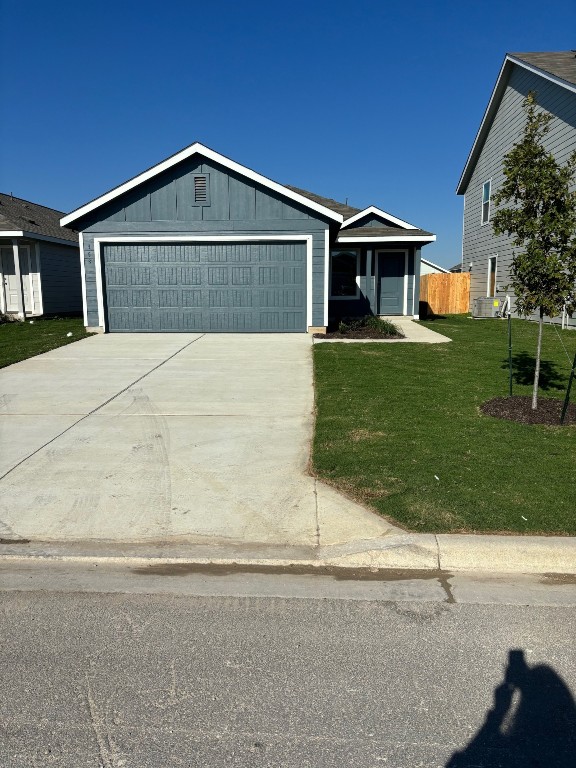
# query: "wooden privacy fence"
{"points": [[445, 294]]}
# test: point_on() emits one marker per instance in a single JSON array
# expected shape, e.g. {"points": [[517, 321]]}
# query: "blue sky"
{"points": [[374, 102]]}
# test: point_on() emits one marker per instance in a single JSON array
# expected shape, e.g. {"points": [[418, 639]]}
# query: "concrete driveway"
{"points": [[178, 438]]}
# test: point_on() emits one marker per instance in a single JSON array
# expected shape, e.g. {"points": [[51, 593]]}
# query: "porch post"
{"points": [[369, 280], [18, 275], [416, 291]]}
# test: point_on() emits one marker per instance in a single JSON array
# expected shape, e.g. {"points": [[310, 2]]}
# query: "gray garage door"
{"points": [[205, 287]]}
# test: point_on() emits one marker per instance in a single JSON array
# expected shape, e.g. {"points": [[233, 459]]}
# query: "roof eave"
{"points": [[38, 236], [509, 61], [389, 239], [210, 154], [480, 135], [378, 212]]}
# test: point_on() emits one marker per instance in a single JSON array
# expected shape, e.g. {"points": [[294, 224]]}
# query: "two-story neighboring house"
{"points": [[552, 76]]}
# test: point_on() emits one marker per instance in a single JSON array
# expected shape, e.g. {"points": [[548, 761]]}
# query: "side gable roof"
{"points": [[210, 154], [22, 216], [557, 66]]}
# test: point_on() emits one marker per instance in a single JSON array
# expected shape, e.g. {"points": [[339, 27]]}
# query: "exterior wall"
{"points": [[237, 206], [60, 277], [367, 303], [479, 242]]}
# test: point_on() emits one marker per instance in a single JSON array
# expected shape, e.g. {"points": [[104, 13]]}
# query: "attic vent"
{"points": [[201, 190]]}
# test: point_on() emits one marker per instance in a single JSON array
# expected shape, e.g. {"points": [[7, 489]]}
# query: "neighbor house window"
{"points": [[343, 275], [486, 202], [492, 265]]}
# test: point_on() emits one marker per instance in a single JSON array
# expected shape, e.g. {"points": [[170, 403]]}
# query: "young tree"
{"points": [[542, 222]]}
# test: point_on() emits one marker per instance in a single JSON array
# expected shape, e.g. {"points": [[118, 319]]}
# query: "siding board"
{"points": [[479, 243]]}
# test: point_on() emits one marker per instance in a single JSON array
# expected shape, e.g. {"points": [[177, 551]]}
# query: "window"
{"points": [[344, 271], [486, 202], [201, 189], [491, 287]]}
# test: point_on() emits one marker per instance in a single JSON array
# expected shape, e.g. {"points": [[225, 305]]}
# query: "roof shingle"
{"points": [[361, 232], [22, 215], [561, 64], [344, 210]]}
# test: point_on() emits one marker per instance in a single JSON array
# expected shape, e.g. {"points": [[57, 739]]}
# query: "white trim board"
{"points": [[389, 239], [436, 266], [83, 278], [37, 236], [372, 209], [98, 264], [199, 149], [489, 112]]}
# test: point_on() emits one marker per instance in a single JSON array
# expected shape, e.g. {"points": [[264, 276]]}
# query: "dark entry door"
{"points": [[391, 267]]}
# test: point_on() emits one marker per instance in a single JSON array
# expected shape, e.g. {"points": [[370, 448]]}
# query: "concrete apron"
{"points": [[191, 447]]}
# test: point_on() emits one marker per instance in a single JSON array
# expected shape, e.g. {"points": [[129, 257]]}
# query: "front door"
{"points": [[391, 270], [9, 280]]}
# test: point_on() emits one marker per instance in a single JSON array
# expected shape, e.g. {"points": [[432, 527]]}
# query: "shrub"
{"points": [[385, 327]]}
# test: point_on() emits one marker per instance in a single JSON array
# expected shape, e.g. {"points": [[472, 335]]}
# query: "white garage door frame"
{"points": [[308, 239]]}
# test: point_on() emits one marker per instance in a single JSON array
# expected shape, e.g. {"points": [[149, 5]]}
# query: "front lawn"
{"points": [[398, 428], [19, 341]]}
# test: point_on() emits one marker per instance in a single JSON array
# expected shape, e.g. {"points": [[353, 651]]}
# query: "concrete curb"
{"points": [[446, 552]]}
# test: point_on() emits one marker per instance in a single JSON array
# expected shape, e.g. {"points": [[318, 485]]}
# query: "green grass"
{"points": [[18, 341], [392, 416]]}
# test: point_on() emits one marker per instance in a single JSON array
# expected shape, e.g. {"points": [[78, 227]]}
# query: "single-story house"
{"points": [[428, 267], [199, 242], [39, 261]]}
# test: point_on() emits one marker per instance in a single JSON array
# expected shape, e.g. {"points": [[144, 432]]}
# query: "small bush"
{"points": [[351, 324]]}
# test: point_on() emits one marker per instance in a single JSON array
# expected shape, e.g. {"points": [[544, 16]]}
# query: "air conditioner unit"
{"points": [[486, 306]]}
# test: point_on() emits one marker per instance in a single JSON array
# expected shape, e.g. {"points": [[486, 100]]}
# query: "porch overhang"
{"points": [[420, 239]]}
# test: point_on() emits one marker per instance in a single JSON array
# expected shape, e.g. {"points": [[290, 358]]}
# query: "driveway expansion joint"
{"points": [[95, 410]]}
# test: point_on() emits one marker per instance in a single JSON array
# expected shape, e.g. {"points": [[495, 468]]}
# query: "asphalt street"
{"points": [[134, 668]]}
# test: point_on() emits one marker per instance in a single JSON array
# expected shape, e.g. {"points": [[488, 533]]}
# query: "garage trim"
{"points": [[308, 239]]}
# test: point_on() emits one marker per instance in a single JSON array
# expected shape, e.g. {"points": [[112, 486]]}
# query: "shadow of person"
{"points": [[532, 723]]}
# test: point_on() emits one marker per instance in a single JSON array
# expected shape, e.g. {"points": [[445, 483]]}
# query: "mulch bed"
{"points": [[519, 408], [362, 333]]}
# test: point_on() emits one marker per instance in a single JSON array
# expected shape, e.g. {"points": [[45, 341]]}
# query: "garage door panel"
{"points": [[180, 321], [223, 287]]}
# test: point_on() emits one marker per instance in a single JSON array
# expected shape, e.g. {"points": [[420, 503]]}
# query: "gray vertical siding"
{"points": [[367, 303], [479, 242], [60, 278], [237, 207], [373, 221]]}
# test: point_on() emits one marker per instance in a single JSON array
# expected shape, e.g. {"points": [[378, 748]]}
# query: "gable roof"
{"points": [[372, 209], [199, 149], [557, 66], [24, 218]]}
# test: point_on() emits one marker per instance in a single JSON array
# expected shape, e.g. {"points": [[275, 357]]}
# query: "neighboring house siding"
{"points": [[479, 242], [60, 278], [237, 206]]}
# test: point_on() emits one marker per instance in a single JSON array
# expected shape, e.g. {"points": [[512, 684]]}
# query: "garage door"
{"points": [[232, 287]]}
